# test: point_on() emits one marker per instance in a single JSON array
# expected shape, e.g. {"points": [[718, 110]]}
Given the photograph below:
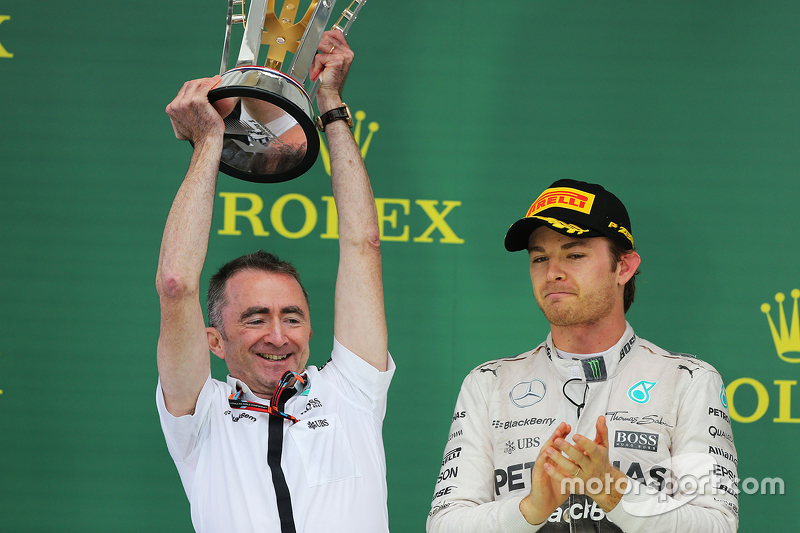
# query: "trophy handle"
{"points": [[251, 41], [232, 19], [304, 56], [350, 15]]}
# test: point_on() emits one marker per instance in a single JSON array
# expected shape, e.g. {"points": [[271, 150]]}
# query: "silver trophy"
{"points": [[270, 134]]}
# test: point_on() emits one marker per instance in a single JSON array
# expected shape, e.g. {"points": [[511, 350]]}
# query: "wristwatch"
{"points": [[339, 113]]}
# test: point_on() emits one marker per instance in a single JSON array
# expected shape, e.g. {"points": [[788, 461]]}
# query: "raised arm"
{"points": [[183, 355], [360, 319]]}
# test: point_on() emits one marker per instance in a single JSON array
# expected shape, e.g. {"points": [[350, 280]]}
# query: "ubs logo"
{"points": [[510, 446], [314, 424], [527, 393]]}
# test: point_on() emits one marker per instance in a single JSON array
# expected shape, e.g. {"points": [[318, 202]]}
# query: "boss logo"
{"points": [[627, 348], [636, 441], [313, 403]]}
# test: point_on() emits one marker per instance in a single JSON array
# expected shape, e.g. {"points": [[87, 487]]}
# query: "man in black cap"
{"points": [[595, 429]]}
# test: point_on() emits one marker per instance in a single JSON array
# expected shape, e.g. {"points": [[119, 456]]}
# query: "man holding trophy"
{"points": [[279, 446]]}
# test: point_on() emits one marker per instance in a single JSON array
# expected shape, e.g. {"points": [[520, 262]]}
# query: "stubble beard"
{"points": [[582, 310]]}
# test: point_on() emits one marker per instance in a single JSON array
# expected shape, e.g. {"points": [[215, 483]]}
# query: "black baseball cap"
{"points": [[577, 209]]}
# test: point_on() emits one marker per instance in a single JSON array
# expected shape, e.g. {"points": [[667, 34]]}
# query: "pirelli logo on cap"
{"points": [[563, 197]]}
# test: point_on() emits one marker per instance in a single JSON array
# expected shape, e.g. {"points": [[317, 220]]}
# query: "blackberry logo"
{"points": [[506, 424]]}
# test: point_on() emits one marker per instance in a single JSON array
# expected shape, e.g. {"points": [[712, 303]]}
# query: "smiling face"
{"points": [[265, 329], [576, 281]]}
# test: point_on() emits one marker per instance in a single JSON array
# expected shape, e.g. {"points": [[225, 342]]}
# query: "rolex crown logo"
{"points": [[372, 127], [786, 340]]}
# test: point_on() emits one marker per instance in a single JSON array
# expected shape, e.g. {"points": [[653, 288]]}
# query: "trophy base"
{"points": [[270, 134]]}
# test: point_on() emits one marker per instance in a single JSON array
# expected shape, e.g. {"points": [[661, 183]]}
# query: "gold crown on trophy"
{"points": [[786, 340], [372, 127]]}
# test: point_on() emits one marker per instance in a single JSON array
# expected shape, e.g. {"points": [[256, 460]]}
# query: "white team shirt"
{"points": [[333, 458]]}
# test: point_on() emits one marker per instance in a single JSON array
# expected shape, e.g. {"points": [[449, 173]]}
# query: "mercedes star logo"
{"points": [[527, 393]]}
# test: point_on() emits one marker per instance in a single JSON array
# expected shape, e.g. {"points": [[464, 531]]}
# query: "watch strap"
{"points": [[338, 113]]}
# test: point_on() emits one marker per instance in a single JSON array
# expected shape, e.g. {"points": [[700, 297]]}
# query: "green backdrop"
{"points": [[687, 110]]}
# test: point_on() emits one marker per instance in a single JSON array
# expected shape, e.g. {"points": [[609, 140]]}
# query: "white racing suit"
{"points": [[668, 428]]}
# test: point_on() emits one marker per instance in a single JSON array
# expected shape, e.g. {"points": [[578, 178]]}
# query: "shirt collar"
{"points": [[247, 395], [594, 369]]}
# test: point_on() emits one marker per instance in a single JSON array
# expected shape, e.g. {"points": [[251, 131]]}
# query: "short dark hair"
{"points": [[260, 260], [617, 251]]}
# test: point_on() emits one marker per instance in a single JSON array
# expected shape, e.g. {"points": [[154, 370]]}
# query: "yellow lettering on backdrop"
{"points": [[230, 213], [437, 219], [388, 210], [3, 51], [276, 216], [332, 220], [785, 402], [381, 203], [761, 392]]}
